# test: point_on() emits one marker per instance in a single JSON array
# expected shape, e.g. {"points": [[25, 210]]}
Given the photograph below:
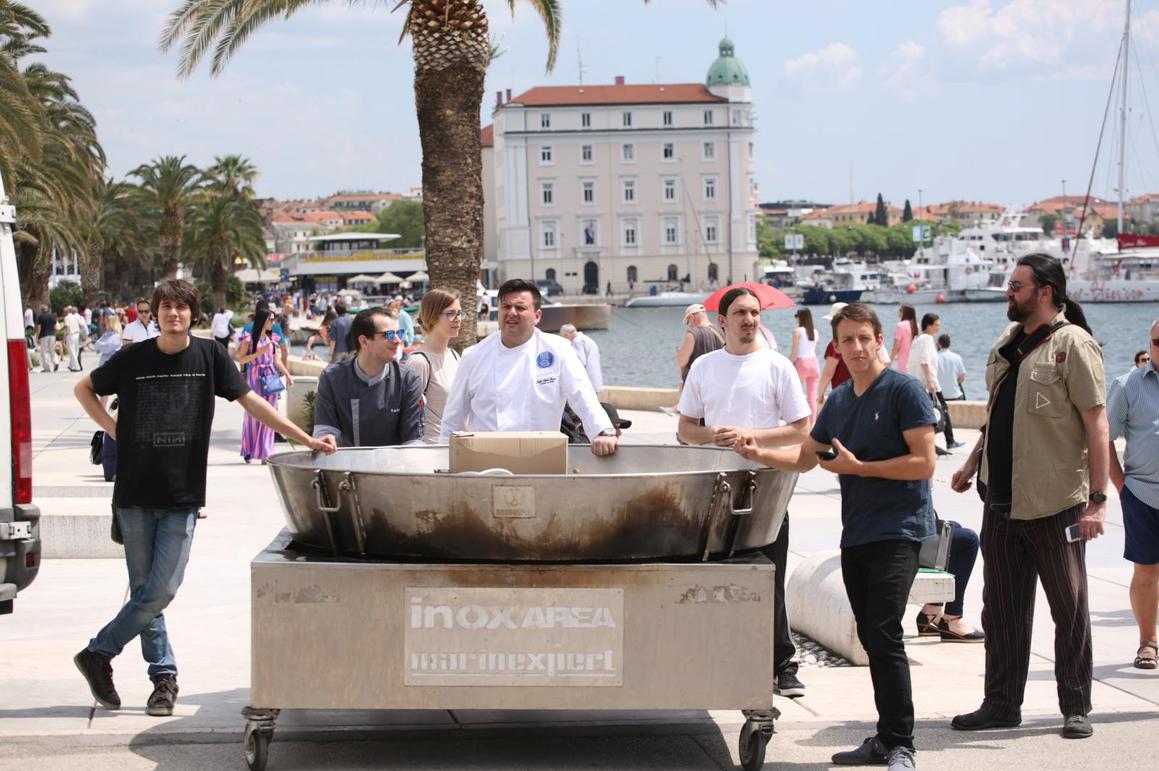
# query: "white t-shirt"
{"points": [[521, 389], [924, 351], [757, 390], [220, 324], [589, 356], [73, 323], [806, 348], [137, 332]]}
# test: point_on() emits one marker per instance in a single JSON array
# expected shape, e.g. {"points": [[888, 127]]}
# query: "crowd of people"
{"points": [[867, 416]]}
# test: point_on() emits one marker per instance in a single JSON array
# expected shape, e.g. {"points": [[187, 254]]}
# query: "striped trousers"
{"points": [[1016, 554]]}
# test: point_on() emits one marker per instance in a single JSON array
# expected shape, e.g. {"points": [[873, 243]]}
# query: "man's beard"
{"points": [[1015, 312]]}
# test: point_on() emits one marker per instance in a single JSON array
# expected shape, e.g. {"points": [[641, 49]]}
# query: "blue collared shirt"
{"points": [[1133, 412]]}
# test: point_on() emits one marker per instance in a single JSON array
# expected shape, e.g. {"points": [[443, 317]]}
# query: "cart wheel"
{"points": [[257, 747], [752, 747]]}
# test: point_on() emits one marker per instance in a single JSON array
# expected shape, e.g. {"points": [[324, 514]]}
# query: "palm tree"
{"points": [[452, 50], [170, 185], [233, 174], [221, 230], [21, 132], [124, 239]]}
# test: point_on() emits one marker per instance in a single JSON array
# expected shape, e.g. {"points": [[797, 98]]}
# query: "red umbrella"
{"points": [[769, 297]]}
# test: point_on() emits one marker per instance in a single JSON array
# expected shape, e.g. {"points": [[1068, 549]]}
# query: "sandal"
{"points": [[927, 625], [1145, 661]]}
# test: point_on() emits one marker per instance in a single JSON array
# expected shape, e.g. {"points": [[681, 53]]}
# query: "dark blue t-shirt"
{"points": [[871, 426]]}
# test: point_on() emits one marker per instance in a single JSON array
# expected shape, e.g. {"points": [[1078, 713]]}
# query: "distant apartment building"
{"points": [[367, 202], [1143, 208], [292, 236], [968, 214], [1072, 209], [616, 183], [849, 214], [357, 218]]}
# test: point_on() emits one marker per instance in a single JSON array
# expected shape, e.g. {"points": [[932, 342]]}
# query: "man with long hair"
{"points": [[1043, 465]]}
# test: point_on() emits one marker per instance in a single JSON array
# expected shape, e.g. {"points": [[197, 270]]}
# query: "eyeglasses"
{"points": [[1017, 286], [392, 334], [143, 311], [452, 315]]}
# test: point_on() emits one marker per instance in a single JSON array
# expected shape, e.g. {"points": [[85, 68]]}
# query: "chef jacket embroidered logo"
{"points": [[545, 359]]}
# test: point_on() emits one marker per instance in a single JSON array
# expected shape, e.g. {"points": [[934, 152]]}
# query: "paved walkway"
{"points": [[45, 708]]}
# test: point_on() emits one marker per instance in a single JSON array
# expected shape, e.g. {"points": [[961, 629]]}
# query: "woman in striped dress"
{"points": [[257, 440]]}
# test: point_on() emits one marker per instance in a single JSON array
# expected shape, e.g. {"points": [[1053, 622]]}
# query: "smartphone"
{"points": [[1073, 534], [827, 454]]}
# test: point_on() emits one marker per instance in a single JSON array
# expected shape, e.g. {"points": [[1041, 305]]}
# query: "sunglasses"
{"points": [[452, 315], [1017, 286], [392, 334], [143, 311]]}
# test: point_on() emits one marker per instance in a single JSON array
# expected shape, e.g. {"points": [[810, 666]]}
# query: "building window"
{"points": [[632, 274], [736, 116], [549, 274], [708, 117], [547, 190], [545, 155], [669, 151], [586, 154], [708, 151], [671, 231], [545, 120], [710, 188], [549, 235], [585, 120], [711, 229], [630, 232], [752, 150], [591, 232], [628, 153], [669, 190], [629, 190], [667, 118], [673, 273], [589, 192], [626, 119]]}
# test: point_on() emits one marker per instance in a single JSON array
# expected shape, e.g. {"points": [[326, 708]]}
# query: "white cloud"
{"points": [[907, 73], [1146, 27], [1029, 35], [835, 67]]}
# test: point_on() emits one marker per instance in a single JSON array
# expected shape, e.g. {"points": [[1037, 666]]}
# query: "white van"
{"points": [[19, 519]]}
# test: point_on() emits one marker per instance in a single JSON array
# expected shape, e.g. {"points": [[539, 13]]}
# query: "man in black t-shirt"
{"points": [[46, 339], [166, 388], [880, 427]]}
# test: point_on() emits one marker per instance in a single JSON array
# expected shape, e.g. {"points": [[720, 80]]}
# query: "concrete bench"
{"points": [[819, 609], [77, 528]]}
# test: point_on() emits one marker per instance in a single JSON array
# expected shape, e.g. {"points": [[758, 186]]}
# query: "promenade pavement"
{"points": [[45, 709]]}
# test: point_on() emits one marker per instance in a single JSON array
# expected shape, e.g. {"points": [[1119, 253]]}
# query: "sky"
{"points": [[988, 100]]}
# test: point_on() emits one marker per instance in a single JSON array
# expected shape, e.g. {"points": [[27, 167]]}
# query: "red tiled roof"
{"points": [[487, 135], [651, 93]]}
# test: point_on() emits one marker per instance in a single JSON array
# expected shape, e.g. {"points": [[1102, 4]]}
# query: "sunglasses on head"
{"points": [[391, 334]]}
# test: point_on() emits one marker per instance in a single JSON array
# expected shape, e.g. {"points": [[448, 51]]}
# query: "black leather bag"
{"points": [[95, 447]]}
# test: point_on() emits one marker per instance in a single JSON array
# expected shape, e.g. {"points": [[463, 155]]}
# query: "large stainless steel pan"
{"points": [[641, 503]]}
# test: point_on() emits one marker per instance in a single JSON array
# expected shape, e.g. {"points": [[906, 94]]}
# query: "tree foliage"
{"points": [[907, 213]]}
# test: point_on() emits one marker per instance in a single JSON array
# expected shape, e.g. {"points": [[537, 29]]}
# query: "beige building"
{"points": [[594, 184]]}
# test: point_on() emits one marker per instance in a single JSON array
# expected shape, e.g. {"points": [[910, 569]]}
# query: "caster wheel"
{"points": [[752, 746], [257, 747]]}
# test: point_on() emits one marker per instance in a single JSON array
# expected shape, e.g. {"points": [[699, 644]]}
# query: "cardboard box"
{"points": [[520, 452]]}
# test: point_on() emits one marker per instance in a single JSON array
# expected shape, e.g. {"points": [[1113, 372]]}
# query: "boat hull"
{"points": [[827, 296], [666, 300], [584, 316]]}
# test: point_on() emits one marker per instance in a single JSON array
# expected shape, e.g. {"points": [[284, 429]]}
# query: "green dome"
{"points": [[727, 70]]}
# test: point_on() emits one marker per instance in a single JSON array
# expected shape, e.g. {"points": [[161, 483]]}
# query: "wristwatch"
{"points": [[612, 432], [1098, 497]]}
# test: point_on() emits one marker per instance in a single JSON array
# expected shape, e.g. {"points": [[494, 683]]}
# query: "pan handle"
{"points": [[318, 486], [749, 488]]}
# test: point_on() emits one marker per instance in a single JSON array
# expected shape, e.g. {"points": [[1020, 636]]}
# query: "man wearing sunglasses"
{"points": [[142, 328], [369, 400]]}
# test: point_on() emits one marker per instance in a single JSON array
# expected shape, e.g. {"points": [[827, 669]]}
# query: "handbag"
{"points": [[935, 552], [95, 447], [270, 384]]}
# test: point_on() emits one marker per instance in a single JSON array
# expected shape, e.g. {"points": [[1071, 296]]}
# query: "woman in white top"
{"points": [[804, 357], [440, 315], [220, 327]]}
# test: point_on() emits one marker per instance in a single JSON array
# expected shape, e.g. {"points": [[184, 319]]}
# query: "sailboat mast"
{"points": [[1123, 114]]}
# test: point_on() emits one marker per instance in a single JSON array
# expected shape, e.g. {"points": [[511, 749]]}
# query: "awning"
{"points": [[388, 278], [420, 276], [361, 278], [255, 276]]}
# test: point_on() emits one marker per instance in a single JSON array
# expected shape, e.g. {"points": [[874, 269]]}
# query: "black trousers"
{"points": [[1016, 554], [949, 432], [878, 577], [783, 648]]}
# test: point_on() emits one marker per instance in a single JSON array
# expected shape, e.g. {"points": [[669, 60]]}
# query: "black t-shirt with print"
{"points": [[165, 418]]}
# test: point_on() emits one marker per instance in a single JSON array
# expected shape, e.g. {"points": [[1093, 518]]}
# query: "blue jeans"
{"points": [[157, 546]]}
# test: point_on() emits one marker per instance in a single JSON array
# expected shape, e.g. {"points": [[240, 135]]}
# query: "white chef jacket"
{"points": [[589, 356], [136, 332], [521, 389]]}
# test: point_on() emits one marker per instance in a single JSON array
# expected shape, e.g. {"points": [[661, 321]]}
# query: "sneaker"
{"points": [[164, 696], [901, 759], [982, 718], [955, 445], [871, 753], [97, 669], [1077, 727], [787, 684]]}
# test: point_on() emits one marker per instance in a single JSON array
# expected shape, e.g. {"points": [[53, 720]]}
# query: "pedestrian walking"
{"points": [[1133, 414], [441, 317], [951, 371], [923, 365], [701, 338], [903, 337], [73, 322], [1042, 469], [142, 327], [747, 391], [803, 354], [220, 327], [340, 334], [257, 352], [879, 431], [46, 340], [166, 388], [835, 372]]}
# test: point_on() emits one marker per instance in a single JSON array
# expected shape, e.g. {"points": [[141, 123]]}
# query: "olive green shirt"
{"points": [[1057, 382]]}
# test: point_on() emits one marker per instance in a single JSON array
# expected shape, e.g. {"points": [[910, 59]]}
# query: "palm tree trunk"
{"points": [[448, 102], [170, 251], [217, 282], [91, 273], [34, 274]]}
